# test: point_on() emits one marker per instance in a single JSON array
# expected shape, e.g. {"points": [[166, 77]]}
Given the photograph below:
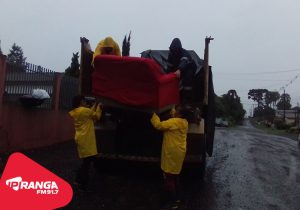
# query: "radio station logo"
{"points": [[25, 184], [41, 187]]}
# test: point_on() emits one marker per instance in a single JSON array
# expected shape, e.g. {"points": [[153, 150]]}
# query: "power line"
{"points": [[269, 86], [289, 83]]}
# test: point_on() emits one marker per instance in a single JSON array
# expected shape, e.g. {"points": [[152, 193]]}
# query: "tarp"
{"points": [[161, 57]]}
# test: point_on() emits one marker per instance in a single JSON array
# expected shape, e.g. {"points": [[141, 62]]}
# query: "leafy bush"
{"points": [[293, 129], [281, 125]]}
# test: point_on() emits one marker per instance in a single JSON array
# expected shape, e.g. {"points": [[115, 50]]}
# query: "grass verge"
{"points": [[274, 131]]}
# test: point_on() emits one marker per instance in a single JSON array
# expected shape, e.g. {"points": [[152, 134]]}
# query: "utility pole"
{"points": [[298, 126], [284, 105], [298, 115]]}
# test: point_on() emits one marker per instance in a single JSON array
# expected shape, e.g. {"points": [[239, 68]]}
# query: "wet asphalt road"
{"points": [[254, 170], [248, 170]]}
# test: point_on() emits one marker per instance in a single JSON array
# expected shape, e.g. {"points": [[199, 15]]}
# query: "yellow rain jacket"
{"points": [[85, 137], [107, 42], [174, 143]]}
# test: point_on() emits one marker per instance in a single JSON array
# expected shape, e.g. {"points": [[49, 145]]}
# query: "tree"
{"points": [[284, 102], [264, 113], [264, 99], [220, 108], [126, 45], [229, 106], [257, 95], [271, 98], [16, 57], [73, 69], [0, 49], [233, 106]]}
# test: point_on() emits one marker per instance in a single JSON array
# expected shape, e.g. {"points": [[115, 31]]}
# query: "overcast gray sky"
{"points": [[252, 37]]}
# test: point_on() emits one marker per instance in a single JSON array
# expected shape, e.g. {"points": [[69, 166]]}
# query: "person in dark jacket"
{"points": [[180, 62]]}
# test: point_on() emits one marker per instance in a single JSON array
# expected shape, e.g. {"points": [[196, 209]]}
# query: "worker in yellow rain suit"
{"points": [[85, 139], [172, 153], [107, 46]]}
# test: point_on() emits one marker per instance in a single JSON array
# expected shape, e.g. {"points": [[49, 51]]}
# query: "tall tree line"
{"points": [[270, 99], [267, 102]]}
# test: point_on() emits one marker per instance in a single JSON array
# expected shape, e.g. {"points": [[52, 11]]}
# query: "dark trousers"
{"points": [[83, 175], [171, 185]]}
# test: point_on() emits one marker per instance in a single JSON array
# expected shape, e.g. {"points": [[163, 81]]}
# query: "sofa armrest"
{"points": [[166, 78]]}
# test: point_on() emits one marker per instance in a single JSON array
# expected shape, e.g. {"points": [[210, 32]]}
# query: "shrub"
{"points": [[281, 125], [294, 129]]}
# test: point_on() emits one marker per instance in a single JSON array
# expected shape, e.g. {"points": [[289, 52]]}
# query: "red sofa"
{"points": [[133, 81]]}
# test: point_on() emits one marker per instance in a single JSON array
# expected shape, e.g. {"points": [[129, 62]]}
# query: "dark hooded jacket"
{"points": [[179, 58]]}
